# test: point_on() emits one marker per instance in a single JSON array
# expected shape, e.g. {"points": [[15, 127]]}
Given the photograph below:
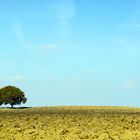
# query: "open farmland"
{"points": [[70, 123]]}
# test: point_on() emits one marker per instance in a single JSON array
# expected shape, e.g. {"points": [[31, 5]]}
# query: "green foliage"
{"points": [[12, 95]]}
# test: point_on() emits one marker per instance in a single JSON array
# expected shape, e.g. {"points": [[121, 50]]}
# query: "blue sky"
{"points": [[71, 52]]}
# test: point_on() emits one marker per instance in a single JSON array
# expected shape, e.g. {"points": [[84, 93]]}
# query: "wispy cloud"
{"points": [[64, 10], [131, 23], [92, 71], [17, 78], [14, 78], [129, 27], [27, 44], [130, 84], [19, 31], [47, 47]]}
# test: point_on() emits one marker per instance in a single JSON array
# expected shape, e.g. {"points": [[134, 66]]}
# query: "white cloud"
{"points": [[92, 71], [47, 47], [132, 25], [121, 40], [18, 29], [64, 10], [16, 78], [130, 84]]}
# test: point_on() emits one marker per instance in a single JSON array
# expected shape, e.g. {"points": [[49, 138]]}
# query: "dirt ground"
{"points": [[70, 123]]}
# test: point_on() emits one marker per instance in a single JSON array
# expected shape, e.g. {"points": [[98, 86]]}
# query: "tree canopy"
{"points": [[12, 95]]}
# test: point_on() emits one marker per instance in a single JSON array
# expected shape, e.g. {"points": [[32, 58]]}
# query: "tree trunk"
{"points": [[11, 105]]}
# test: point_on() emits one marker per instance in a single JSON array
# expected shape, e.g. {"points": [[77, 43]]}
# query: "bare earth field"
{"points": [[70, 123]]}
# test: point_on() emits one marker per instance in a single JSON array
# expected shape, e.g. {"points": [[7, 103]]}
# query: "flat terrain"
{"points": [[70, 123]]}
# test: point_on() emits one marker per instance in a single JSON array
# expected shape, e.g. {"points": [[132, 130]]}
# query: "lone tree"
{"points": [[1, 98], [12, 95]]}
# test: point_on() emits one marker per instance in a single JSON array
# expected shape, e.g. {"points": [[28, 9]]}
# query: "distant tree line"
{"points": [[12, 95]]}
